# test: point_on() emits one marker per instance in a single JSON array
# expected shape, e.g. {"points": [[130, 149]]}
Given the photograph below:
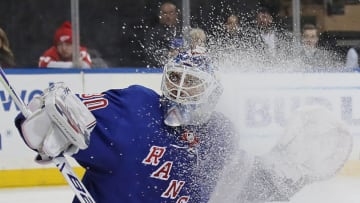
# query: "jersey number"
{"points": [[94, 101]]}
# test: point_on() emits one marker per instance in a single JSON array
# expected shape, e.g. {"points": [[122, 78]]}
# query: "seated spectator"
{"points": [[233, 33], [164, 37], [310, 36], [197, 44], [269, 39], [232, 25], [310, 52], [197, 41], [6, 55], [315, 57], [60, 54]]}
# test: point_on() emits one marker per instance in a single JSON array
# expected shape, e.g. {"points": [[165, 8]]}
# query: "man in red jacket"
{"points": [[60, 54]]}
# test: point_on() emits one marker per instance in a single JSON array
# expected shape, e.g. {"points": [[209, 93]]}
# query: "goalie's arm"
{"points": [[59, 123]]}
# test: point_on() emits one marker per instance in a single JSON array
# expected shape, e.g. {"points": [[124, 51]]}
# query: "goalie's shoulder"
{"points": [[135, 91], [132, 95], [130, 91], [142, 89]]}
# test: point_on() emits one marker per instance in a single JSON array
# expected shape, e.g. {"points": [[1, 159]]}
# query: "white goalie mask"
{"points": [[190, 90]]}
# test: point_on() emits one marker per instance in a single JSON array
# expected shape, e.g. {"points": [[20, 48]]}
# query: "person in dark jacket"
{"points": [[164, 37], [7, 59]]}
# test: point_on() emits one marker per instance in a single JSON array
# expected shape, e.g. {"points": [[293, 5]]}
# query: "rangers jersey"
{"points": [[134, 157]]}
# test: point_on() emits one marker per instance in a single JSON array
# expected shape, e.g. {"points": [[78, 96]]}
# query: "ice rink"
{"points": [[337, 190]]}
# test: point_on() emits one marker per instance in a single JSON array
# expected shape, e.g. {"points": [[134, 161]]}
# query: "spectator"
{"points": [[198, 40], [165, 36], [272, 41], [197, 44], [233, 33], [310, 36], [315, 57], [60, 54], [310, 53], [7, 59], [232, 25]]}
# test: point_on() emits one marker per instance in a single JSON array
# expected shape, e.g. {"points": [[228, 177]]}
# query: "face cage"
{"points": [[194, 109], [183, 91]]}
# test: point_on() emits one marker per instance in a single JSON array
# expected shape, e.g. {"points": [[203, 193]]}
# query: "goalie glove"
{"points": [[60, 123], [314, 147]]}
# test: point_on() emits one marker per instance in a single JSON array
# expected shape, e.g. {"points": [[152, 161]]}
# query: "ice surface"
{"points": [[56, 194], [337, 190]]}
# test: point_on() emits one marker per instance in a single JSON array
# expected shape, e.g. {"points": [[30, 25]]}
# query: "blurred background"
{"points": [[114, 30]]}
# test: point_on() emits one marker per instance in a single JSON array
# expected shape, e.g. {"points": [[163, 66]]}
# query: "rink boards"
{"points": [[258, 104]]}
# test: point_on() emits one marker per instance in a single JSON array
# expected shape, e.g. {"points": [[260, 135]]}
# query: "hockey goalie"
{"points": [[174, 147]]}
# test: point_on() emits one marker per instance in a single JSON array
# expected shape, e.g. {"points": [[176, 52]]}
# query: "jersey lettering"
{"points": [[173, 189], [94, 101], [163, 172], [183, 199], [90, 96], [155, 154], [44, 61], [94, 104]]}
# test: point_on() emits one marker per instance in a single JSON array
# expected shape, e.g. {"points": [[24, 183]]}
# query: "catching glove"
{"points": [[315, 146], [60, 123]]}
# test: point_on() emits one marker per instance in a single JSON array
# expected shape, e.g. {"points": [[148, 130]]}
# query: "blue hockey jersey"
{"points": [[134, 157]]}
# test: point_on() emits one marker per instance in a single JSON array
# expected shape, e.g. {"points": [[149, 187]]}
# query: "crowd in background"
{"points": [[250, 34]]}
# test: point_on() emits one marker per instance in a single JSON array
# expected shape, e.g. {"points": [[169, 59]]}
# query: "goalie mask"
{"points": [[190, 90]]}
